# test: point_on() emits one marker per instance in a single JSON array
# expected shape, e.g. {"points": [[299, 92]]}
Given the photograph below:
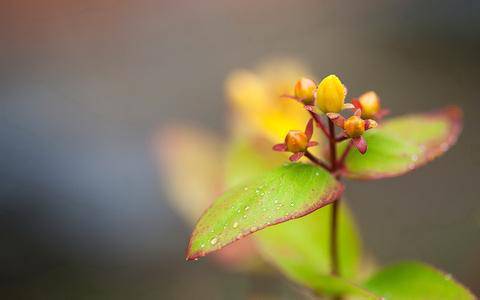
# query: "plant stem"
{"points": [[333, 146], [319, 122], [316, 160], [334, 219], [334, 238], [341, 161]]}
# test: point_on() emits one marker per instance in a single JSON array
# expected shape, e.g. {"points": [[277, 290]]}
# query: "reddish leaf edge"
{"points": [[334, 194], [454, 114]]}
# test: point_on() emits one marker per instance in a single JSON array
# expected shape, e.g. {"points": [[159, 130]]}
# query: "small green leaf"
{"points": [[413, 280], [303, 246], [404, 143], [288, 192]]}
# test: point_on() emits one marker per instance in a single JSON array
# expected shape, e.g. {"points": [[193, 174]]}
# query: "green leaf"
{"points": [[413, 280], [192, 190], [288, 192], [404, 143], [301, 247], [305, 257]]}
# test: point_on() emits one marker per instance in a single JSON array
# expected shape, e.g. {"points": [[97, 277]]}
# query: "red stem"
{"points": [[341, 138], [334, 219], [316, 160], [333, 146], [341, 161], [333, 169], [319, 122]]}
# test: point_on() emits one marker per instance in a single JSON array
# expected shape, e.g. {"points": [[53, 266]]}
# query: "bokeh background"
{"points": [[84, 85]]}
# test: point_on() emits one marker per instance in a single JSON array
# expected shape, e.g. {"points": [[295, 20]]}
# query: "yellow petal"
{"points": [[330, 95], [258, 109]]}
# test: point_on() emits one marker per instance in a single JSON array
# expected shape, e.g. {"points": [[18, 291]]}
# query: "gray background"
{"points": [[85, 84]]}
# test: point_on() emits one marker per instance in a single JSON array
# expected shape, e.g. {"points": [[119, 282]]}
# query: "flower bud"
{"points": [[370, 104], [296, 141], [369, 124], [354, 126], [330, 95], [304, 90]]}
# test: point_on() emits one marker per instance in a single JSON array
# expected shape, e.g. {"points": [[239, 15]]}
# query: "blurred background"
{"points": [[84, 85]]}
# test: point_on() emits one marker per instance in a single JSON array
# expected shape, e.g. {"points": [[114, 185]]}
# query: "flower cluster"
{"points": [[328, 98], [261, 190]]}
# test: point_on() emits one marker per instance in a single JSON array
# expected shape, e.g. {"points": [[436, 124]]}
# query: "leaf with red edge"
{"points": [[402, 144], [191, 190], [285, 193]]}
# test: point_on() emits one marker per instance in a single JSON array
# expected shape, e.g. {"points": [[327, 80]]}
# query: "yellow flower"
{"points": [[330, 95], [257, 106], [370, 104], [305, 90]]}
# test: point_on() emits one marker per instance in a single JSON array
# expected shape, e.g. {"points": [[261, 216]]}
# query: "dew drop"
{"points": [[244, 216], [245, 188], [254, 228], [195, 259], [247, 207], [202, 246], [235, 225], [292, 204], [414, 157], [317, 174], [214, 241]]}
